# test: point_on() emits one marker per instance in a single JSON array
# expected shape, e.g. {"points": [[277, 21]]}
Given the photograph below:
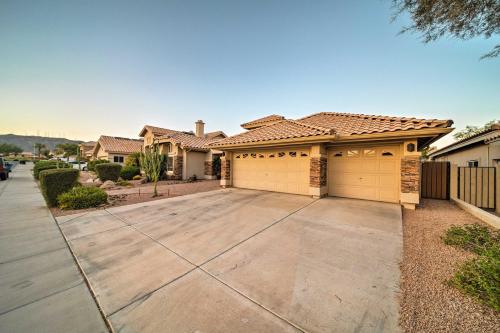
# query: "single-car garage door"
{"points": [[279, 171], [370, 173]]}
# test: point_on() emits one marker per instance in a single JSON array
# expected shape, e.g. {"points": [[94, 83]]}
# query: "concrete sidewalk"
{"points": [[41, 288]]}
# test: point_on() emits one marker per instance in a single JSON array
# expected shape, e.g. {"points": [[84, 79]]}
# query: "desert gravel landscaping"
{"points": [[428, 304]]}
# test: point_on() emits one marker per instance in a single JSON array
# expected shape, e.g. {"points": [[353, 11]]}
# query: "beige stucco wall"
{"points": [[484, 154], [148, 138], [194, 164]]}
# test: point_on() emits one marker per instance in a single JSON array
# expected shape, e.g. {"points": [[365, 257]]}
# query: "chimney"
{"points": [[200, 128]]}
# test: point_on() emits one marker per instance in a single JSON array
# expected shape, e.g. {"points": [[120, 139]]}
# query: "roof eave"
{"points": [[280, 142], [459, 145]]}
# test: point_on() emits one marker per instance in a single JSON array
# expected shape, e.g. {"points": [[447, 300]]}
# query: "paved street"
{"points": [[41, 287]]}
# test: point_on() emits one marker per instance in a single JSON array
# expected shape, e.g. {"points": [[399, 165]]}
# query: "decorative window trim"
{"points": [[355, 153]]}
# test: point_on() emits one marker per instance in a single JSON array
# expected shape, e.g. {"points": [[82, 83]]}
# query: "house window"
{"points": [[292, 154], [352, 153], [170, 163], [387, 153], [281, 154], [369, 152], [473, 163], [118, 159]]}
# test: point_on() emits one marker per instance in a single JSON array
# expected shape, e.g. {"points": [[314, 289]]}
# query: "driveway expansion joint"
{"points": [[207, 261]]}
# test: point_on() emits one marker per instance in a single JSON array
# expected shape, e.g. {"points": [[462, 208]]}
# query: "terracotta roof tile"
{"points": [[327, 123], [284, 129], [349, 123], [262, 121], [189, 140], [159, 131], [114, 144]]}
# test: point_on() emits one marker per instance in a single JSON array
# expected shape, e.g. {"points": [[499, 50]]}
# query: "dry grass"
{"points": [[428, 303]]}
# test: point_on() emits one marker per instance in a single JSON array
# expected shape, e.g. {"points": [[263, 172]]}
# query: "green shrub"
{"points": [[471, 237], [480, 277], [108, 171], [82, 197], [91, 165], [121, 182], [137, 177], [47, 165], [129, 171], [56, 181], [133, 159]]}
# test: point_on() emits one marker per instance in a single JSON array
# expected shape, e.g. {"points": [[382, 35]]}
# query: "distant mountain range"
{"points": [[26, 142]]}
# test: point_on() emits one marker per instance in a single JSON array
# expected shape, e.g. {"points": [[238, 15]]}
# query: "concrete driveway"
{"points": [[243, 261]]}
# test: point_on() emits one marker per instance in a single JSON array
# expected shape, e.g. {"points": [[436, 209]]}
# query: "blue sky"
{"points": [[85, 68]]}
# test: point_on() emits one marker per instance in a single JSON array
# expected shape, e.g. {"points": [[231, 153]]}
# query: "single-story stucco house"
{"points": [[115, 149], [337, 154], [479, 150], [87, 149], [188, 153]]}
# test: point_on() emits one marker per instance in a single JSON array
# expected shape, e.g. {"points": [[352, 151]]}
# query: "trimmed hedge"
{"points": [[128, 172], [47, 165], [82, 197], [53, 182], [91, 165], [108, 171]]}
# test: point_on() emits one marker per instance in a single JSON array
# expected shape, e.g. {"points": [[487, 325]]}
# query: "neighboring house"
{"points": [[337, 154], [87, 149], [188, 153], [479, 150], [115, 149]]}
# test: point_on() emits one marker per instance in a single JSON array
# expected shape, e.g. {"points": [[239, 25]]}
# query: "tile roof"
{"points": [[350, 123], [262, 121], [112, 144], [211, 135], [329, 123], [284, 129], [157, 131], [189, 140]]}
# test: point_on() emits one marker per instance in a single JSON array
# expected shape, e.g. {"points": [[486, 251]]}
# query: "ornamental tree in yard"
{"points": [[150, 161]]}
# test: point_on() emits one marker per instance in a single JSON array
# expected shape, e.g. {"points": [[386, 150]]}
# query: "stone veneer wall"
{"points": [[209, 168], [178, 164], [318, 172], [410, 174], [225, 169]]}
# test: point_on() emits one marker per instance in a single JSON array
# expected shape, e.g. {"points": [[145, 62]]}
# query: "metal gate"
{"points": [[477, 186], [436, 180]]}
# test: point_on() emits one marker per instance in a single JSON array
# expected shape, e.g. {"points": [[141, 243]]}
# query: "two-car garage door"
{"points": [[370, 173], [279, 171]]}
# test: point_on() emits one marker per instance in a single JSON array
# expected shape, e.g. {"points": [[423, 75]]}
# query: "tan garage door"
{"points": [[370, 173], [279, 171]]}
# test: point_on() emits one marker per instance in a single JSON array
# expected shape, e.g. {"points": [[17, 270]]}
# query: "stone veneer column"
{"points": [[225, 165], [318, 170], [209, 166], [178, 165], [410, 176]]}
